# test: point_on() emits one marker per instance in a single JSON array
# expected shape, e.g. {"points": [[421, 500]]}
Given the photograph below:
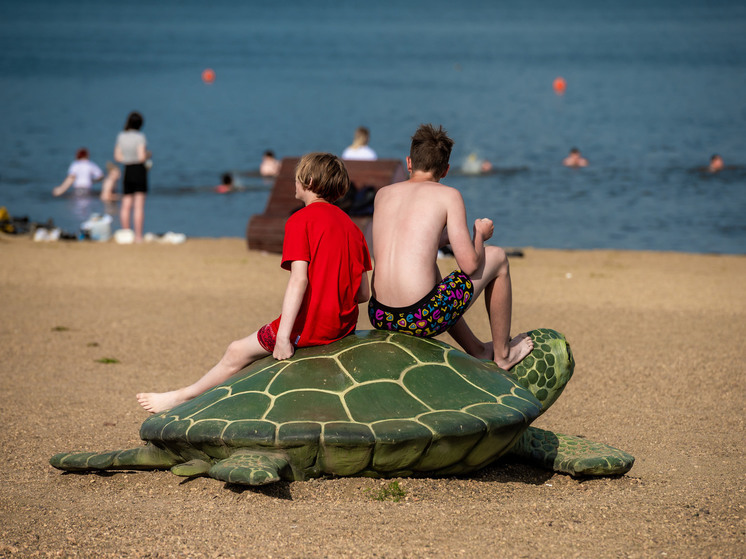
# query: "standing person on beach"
{"points": [[328, 259], [81, 174], [360, 150], [411, 221], [131, 150]]}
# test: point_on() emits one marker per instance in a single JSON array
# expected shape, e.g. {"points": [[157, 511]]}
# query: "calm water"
{"points": [[652, 91]]}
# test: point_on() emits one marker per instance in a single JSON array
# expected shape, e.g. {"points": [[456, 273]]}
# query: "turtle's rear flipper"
{"points": [[571, 455], [248, 468], [192, 468], [148, 457]]}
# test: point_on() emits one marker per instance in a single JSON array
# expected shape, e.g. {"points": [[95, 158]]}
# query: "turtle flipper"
{"points": [[249, 468], [571, 455], [193, 468], [148, 457]]}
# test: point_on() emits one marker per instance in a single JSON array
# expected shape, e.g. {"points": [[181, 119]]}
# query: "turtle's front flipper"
{"points": [[249, 468], [148, 457], [571, 455]]}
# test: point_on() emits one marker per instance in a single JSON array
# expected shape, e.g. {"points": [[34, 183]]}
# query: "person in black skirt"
{"points": [[131, 150]]}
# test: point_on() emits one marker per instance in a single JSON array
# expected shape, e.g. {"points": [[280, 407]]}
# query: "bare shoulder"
{"points": [[434, 190], [445, 194]]}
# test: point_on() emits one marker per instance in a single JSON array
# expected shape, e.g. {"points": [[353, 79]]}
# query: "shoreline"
{"points": [[658, 338]]}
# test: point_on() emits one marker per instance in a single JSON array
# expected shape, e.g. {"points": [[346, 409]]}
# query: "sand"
{"points": [[659, 341]]}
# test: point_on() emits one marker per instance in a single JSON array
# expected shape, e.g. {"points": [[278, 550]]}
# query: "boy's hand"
{"points": [[485, 227], [283, 349]]}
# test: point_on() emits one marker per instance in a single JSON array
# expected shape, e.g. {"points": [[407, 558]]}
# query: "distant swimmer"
{"points": [[270, 166], [575, 159], [360, 150], [474, 166], [716, 164], [81, 174], [226, 185]]}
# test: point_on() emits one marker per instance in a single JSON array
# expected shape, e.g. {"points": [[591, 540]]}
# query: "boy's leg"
{"points": [[463, 336], [239, 354], [494, 279], [472, 345]]}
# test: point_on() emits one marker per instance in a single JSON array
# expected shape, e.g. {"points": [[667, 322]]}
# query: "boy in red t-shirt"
{"points": [[328, 259]]}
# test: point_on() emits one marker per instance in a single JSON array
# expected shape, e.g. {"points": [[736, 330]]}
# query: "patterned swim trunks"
{"points": [[435, 313]]}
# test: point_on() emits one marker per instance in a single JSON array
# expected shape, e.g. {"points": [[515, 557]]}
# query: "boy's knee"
{"points": [[234, 351], [497, 258], [496, 253]]}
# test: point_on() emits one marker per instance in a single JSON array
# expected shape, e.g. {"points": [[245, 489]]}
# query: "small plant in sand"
{"points": [[60, 329], [107, 360], [391, 492]]}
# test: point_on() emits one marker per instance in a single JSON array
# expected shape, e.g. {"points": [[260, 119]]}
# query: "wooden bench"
{"points": [[266, 231]]}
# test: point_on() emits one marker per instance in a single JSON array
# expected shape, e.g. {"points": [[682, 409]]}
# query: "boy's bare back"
{"points": [[408, 225]]}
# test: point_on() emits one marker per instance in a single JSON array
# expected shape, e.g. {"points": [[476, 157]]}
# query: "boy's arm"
{"points": [[363, 292], [294, 293], [469, 253]]}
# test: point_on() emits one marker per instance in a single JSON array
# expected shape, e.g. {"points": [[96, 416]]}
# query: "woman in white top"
{"points": [[131, 151], [359, 149], [81, 174]]}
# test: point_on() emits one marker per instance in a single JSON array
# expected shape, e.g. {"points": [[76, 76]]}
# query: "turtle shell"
{"points": [[374, 403]]}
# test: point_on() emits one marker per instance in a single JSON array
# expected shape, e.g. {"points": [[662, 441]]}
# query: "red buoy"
{"points": [[559, 85], [208, 75]]}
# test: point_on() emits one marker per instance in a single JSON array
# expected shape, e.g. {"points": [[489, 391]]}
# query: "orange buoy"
{"points": [[208, 75], [559, 85]]}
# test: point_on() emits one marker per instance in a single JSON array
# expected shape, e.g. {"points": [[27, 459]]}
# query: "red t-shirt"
{"points": [[335, 248]]}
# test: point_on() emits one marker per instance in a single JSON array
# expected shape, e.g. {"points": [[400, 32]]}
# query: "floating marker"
{"points": [[208, 75], [559, 85]]}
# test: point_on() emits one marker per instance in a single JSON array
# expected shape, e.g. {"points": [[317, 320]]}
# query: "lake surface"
{"points": [[653, 90]]}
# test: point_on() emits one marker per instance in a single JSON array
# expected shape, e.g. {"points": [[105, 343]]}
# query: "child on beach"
{"points": [[411, 221], [328, 259]]}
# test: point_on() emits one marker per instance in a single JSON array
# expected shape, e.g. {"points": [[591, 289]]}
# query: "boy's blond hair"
{"points": [[323, 174]]}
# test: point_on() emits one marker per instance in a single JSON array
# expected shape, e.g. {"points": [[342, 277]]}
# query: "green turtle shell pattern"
{"points": [[373, 403]]}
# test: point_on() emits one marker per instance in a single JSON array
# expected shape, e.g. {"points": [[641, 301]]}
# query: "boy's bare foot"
{"points": [[156, 402], [519, 347]]}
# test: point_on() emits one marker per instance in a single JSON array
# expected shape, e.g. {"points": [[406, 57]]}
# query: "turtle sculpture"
{"points": [[373, 404]]}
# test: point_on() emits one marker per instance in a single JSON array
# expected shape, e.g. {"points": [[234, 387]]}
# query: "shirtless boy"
{"points": [[411, 221]]}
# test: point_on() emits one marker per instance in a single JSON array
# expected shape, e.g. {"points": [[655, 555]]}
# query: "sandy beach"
{"points": [[658, 338]]}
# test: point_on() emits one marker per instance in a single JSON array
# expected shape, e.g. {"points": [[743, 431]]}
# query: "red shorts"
{"points": [[267, 338]]}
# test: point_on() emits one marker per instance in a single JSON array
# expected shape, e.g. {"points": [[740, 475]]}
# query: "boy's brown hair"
{"points": [[323, 174], [431, 150]]}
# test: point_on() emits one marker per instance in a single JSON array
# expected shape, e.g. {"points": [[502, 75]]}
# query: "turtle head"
{"points": [[548, 368]]}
